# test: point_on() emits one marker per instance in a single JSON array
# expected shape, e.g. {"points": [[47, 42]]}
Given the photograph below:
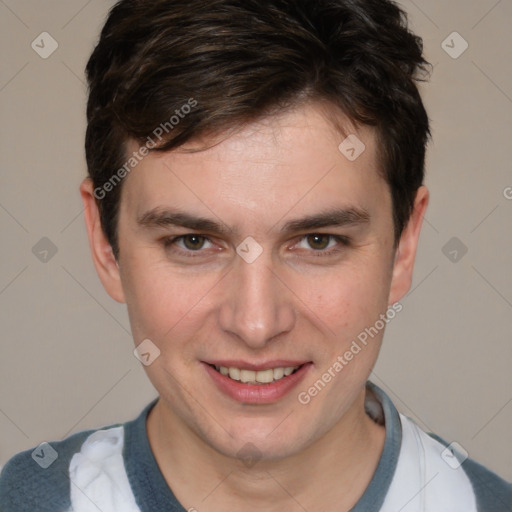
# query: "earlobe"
{"points": [[405, 254], [103, 258]]}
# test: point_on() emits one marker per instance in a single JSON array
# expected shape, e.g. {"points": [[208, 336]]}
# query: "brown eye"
{"points": [[189, 245], [323, 244], [193, 242], [318, 242]]}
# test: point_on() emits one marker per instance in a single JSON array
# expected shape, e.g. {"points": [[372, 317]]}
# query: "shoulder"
{"points": [[431, 471], [492, 493], [38, 479]]}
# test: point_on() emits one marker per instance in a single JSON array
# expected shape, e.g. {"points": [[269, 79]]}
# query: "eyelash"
{"points": [[342, 240]]}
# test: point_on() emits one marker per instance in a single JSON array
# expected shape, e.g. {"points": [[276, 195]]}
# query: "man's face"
{"points": [[293, 295]]}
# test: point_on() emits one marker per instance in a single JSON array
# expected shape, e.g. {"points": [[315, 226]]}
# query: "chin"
{"points": [[248, 443]]}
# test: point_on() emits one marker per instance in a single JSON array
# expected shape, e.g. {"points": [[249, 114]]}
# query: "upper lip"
{"points": [[266, 365]]}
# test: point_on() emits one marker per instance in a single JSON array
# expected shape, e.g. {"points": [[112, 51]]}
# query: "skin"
{"points": [[290, 303]]}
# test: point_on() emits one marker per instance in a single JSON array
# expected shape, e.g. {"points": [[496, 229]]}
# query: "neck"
{"points": [[333, 472]]}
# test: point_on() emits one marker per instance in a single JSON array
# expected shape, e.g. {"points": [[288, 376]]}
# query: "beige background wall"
{"points": [[66, 351]]}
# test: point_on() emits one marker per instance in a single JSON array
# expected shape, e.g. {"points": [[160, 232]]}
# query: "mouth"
{"points": [[256, 384], [256, 377]]}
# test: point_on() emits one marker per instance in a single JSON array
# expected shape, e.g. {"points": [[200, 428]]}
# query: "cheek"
{"points": [[345, 300], [162, 303]]}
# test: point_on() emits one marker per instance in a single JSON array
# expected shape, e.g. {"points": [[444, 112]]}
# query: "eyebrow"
{"points": [[337, 217]]}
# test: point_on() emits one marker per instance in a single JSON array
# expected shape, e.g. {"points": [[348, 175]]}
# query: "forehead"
{"points": [[298, 159]]}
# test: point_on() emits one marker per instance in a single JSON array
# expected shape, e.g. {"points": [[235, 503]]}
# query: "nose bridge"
{"points": [[256, 306]]}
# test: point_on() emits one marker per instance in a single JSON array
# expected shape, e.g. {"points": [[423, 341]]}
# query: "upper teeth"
{"points": [[253, 377]]}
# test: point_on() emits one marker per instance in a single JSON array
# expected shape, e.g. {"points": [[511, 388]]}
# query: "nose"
{"points": [[257, 305]]}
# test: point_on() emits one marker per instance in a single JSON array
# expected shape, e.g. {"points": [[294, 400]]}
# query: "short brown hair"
{"points": [[236, 61]]}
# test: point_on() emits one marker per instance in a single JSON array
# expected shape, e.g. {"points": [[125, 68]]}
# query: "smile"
{"points": [[256, 377]]}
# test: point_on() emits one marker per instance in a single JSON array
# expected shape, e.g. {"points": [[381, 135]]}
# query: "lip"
{"points": [[257, 393]]}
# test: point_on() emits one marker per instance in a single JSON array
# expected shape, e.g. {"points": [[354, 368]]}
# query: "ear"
{"points": [[406, 252], [101, 250]]}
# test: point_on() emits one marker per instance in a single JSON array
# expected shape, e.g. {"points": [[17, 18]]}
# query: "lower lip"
{"points": [[257, 393]]}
